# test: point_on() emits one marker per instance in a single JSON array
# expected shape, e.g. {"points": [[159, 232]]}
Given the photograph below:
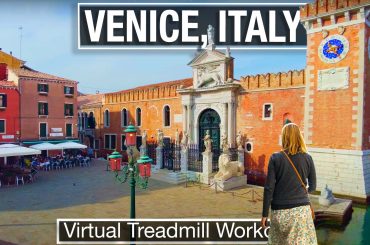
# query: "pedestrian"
{"points": [[286, 192]]}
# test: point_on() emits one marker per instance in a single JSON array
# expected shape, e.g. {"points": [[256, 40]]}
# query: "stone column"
{"points": [[231, 124], [184, 119], [190, 123], [226, 122], [159, 157], [207, 167], [184, 160]]}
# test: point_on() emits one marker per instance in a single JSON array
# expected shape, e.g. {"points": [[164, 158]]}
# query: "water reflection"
{"points": [[357, 232]]}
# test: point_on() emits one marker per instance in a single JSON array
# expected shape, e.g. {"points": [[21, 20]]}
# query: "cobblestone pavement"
{"points": [[28, 213]]}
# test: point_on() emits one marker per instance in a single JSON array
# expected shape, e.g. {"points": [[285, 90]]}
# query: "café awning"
{"points": [[71, 145], [10, 150], [45, 147]]}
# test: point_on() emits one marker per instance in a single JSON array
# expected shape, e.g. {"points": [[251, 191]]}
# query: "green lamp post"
{"points": [[137, 172]]}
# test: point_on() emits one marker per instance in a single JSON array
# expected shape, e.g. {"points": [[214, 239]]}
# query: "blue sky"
{"points": [[49, 44]]}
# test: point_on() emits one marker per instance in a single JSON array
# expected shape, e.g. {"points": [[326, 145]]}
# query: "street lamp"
{"points": [[138, 172]]}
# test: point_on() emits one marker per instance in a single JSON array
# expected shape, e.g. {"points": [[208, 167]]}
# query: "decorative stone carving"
{"points": [[207, 142], [332, 79], [239, 141], [326, 198], [228, 169], [210, 75], [341, 30]]}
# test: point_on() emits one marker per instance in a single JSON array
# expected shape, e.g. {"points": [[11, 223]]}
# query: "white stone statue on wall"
{"points": [[184, 141], [239, 141], [144, 139], [207, 142], [160, 138]]}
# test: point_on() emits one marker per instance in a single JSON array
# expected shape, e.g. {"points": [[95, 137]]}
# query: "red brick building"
{"points": [[328, 100]]}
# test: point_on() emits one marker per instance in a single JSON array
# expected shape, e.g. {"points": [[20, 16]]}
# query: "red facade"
{"points": [[9, 113]]}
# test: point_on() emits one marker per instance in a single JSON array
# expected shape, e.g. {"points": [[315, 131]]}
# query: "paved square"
{"points": [[28, 213]]}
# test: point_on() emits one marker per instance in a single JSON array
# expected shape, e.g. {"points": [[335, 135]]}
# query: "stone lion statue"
{"points": [[228, 169]]}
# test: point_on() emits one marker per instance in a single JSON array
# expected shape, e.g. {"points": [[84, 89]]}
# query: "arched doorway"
{"points": [[210, 120]]}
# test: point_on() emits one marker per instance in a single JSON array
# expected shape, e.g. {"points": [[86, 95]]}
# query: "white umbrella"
{"points": [[45, 147], [71, 145], [9, 150]]}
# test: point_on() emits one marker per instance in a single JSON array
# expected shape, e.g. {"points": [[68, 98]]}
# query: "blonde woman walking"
{"points": [[285, 191]]}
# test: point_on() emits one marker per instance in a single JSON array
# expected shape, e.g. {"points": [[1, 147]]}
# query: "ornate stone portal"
{"points": [[213, 88]]}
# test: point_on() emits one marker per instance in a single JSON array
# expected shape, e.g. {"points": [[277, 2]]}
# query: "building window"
{"points": [[124, 117], [249, 147], [69, 130], [43, 109], [91, 121], [43, 130], [123, 142], [106, 118], [3, 101], [69, 90], [2, 126], [267, 111], [138, 117], [43, 88], [110, 141], [68, 110], [167, 116]]}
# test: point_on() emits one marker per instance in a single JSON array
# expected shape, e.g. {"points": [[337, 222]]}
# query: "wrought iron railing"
{"points": [[194, 158]]}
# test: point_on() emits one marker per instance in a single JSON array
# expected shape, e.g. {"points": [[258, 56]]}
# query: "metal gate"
{"points": [[210, 121]]}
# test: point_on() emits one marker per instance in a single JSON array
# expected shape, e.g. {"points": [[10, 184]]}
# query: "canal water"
{"points": [[357, 232]]}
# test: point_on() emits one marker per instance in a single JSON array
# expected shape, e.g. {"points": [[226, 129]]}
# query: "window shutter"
{"points": [[2, 126], [46, 109], [72, 90], [40, 108], [47, 88], [65, 90], [38, 87], [71, 110], [5, 100], [65, 110]]}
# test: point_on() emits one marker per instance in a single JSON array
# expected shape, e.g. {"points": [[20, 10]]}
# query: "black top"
{"points": [[283, 189]]}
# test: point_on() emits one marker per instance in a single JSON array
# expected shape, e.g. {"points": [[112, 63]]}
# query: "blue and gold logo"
{"points": [[333, 49]]}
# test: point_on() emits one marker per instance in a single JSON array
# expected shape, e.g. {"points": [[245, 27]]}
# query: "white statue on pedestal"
{"points": [[184, 141], [326, 197], [224, 144], [160, 138], [177, 137], [144, 139], [211, 35], [207, 142], [239, 141]]}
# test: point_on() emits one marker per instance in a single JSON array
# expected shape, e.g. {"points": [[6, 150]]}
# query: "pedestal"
{"points": [[159, 156], [232, 183], [184, 160], [207, 167]]}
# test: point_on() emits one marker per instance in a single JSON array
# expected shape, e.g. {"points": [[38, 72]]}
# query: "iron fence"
{"points": [[233, 154], [171, 156], [151, 151], [194, 158]]}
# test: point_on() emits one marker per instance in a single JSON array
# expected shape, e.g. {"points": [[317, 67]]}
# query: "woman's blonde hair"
{"points": [[292, 139]]}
